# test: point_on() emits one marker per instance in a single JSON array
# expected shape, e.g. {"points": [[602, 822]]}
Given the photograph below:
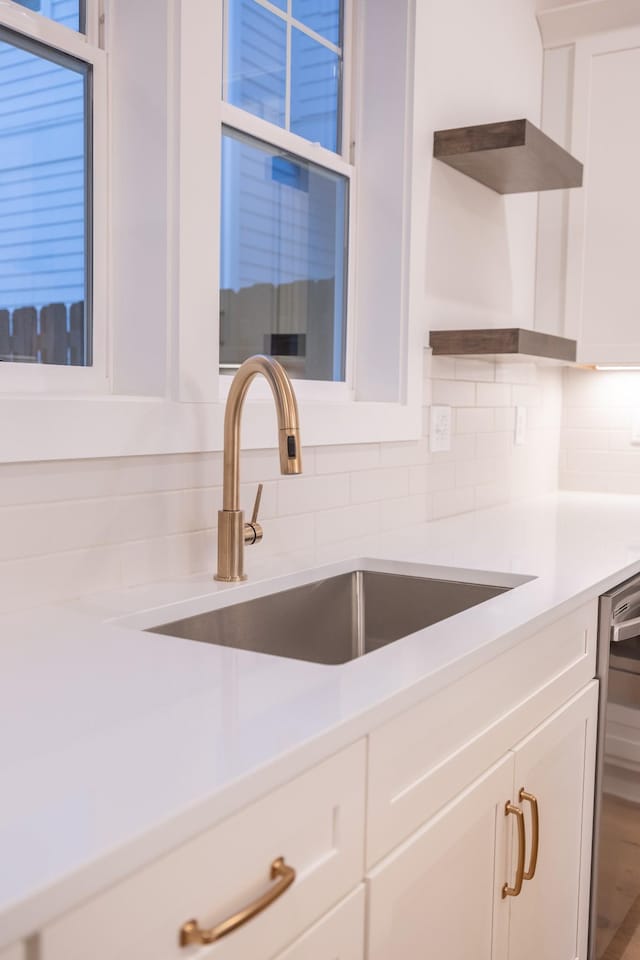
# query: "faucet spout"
{"points": [[232, 534]]}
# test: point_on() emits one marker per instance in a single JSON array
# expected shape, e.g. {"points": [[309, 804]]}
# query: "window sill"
{"points": [[67, 427]]}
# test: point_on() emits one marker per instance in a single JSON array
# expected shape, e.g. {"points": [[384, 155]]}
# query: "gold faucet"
{"points": [[233, 532]]}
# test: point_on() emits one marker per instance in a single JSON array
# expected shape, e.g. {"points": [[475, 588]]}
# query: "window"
{"points": [[43, 205], [46, 202], [285, 192]]}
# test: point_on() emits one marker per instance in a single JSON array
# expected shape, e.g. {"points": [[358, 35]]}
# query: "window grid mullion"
{"points": [[288, 17], [287, 94]]}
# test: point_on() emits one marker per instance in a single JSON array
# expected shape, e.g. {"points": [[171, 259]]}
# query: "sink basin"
{"points": [[336, 619]]}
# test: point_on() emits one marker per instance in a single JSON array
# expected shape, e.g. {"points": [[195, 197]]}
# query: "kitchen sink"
{"points": [[335, 619]]}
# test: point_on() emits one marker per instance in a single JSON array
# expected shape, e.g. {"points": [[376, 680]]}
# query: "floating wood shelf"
{"points": [[510, 157], [511, 342]]}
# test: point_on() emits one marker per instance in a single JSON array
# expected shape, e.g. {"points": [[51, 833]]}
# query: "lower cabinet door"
{"points": [[555, 772], [440, 893], [338, 936]]}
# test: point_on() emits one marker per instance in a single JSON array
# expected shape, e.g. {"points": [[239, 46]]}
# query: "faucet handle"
{"points": [[253, 530], [256, 506]]}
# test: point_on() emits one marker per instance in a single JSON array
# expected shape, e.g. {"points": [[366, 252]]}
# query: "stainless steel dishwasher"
{"points": [[615, 883]]}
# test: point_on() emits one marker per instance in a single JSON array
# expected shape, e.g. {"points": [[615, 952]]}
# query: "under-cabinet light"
{"points": [[617, 366]]}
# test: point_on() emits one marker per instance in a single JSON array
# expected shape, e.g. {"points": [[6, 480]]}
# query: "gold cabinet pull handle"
{"points": [[514, 891], [191, 932], [535, 833]]}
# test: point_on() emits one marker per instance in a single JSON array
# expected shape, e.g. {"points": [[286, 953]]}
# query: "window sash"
{"points": [[244, 122], [344, 50], [52, 378]]}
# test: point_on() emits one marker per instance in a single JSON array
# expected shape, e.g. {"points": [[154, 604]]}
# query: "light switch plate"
{"points": [[635, 427], [521, 426], [440, 429]]}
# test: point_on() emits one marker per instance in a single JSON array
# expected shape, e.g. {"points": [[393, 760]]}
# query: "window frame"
{"points": [[16, 377], [160, 242], [340, 163]]}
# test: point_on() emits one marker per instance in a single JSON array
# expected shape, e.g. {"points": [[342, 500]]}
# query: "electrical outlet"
{"points": [[521, 426], [440, 429]]}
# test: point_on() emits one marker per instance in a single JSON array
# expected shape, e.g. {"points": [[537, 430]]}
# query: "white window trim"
{"points": [[50, 378], [172, 402]]}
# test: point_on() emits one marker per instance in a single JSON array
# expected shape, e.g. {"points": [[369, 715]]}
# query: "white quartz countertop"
{"points": [[117, 745]]}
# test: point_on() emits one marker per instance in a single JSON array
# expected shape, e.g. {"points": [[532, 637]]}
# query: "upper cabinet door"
{"points": [[602, 296], [555, 768], [439, 894]]}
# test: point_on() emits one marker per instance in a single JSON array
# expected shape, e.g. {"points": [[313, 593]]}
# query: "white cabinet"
{"points": [[444, 886], [555, 764], [438, 895], [315, 822], [431, 787], [338, 936], [421, 759], [591, 93]]}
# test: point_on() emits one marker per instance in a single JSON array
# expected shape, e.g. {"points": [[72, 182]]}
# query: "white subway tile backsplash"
{"points": [[493, 394], [441, 476], [344, 459], [382, 484], [304, 494], [589, 440], [516, 371], [442, 368], [419, 479], [404, 454], [77, 527], [454, 393], [446, 503], [470, 368], [505, 419], [402, 512], [475, 420], [526, 395], [356, 520], [463, 447]]}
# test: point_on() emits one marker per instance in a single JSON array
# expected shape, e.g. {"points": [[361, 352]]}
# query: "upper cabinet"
{"points": [[587, 280]]}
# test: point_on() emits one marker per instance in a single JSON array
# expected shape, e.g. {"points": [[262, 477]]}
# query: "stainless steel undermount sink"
{"points": [[335, 619]]}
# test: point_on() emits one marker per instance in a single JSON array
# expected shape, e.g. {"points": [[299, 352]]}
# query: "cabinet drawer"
{"points": [[338, 936], [315, 822], [421, 759]]}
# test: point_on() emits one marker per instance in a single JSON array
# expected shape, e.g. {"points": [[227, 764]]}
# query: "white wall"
{"points": [[483, 63], [600, 409], [74, 527]]}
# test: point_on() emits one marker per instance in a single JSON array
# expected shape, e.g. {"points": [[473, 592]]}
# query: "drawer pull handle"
{"points": [[535, 833], [191, 932], [514, 891]]}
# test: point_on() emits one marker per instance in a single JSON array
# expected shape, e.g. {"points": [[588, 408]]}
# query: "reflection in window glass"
{"points": [[285, 74], [322, 16], [43, 203], [69, 12], [315, 89], [283, 261], [257, 59]]}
